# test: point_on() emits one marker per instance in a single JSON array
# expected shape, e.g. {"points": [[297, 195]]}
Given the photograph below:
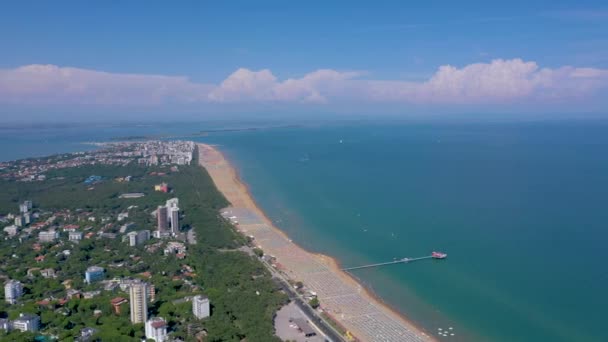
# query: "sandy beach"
{"points": [[341, 296]]}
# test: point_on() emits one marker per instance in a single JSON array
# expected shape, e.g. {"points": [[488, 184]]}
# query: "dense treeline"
{"points": [[243, 296]]}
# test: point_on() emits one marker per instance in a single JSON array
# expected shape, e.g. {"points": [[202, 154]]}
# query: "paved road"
{"points": [[310, 313]]}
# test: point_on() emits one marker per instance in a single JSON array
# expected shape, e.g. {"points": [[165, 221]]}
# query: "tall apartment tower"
{"points": [[161, 215], [173, 202], [138, 295], [200, 306], [174, 214], [12, 291]]}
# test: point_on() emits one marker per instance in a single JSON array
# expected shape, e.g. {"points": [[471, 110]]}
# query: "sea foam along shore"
{"points": [[343, 298]]}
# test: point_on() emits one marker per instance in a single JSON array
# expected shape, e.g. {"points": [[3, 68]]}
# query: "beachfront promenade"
{"points": [[340, 296]]}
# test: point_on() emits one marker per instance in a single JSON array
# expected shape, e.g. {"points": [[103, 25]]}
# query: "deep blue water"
{"points": [[521, 209]]}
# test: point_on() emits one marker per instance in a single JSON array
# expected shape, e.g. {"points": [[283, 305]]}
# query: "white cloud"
{"points": [[500, 81], [497, 82], [247, 85], [63, 85]]}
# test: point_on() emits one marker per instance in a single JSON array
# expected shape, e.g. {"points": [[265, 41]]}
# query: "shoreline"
{"points": [[367, 304]]}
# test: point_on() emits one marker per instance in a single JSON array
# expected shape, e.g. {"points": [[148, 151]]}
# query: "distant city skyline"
{"points": [[71, 61]]}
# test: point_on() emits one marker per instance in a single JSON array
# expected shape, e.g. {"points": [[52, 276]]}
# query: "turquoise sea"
{"points": [[520, 208]]}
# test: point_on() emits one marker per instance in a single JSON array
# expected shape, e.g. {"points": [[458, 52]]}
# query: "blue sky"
{"points": [[395, 41]]}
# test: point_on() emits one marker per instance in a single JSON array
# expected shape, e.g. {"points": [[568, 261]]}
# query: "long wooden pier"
{"points": [[399, 261]]}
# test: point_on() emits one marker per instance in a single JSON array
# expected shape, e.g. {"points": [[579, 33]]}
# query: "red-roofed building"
{"points": [[158, 324], [116, 303], [162, 187], [44, 302], [38, 225], [71, 227], [156, 329], [146, 274], [39, 258]]}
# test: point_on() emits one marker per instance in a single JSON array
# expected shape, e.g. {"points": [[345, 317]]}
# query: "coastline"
{"points": [[342, 296]]}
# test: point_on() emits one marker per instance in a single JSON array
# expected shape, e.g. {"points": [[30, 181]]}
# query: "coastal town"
{"points": [[150, 153], [49, 245], [116, 250]]}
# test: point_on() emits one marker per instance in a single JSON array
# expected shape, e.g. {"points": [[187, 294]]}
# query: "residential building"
{"points": [[25, 207], [94, 273], [48, 273], [138, 301], [174, 216], [19, 221], [132, 237], [86, 334], [27, 322], [132, 195], [116, 303], [175, 248], [200, 306], [162, 187], [13, 289], [122, 216], [48, 236], [162, 218], [173, 202], [11, 230], [73, 293], [27, 218], [136, 238], [156, 329], [75, 236], [90, 294], [151, 293], [5, 324]]}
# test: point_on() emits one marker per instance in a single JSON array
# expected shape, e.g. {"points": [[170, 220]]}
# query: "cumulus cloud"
{"points": [[497, 82], [247, 85], [500, 81], [63, 85]]}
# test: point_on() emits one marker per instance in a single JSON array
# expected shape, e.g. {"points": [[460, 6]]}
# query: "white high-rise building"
{"points": [[174, 215], [138, 295], [156, 329], [171, 203], [27, 218], [132, 236], [25, 207], [13, 289], [200, 306]]}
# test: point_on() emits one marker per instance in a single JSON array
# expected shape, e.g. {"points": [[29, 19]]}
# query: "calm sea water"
{"points": [[520, 208]]}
